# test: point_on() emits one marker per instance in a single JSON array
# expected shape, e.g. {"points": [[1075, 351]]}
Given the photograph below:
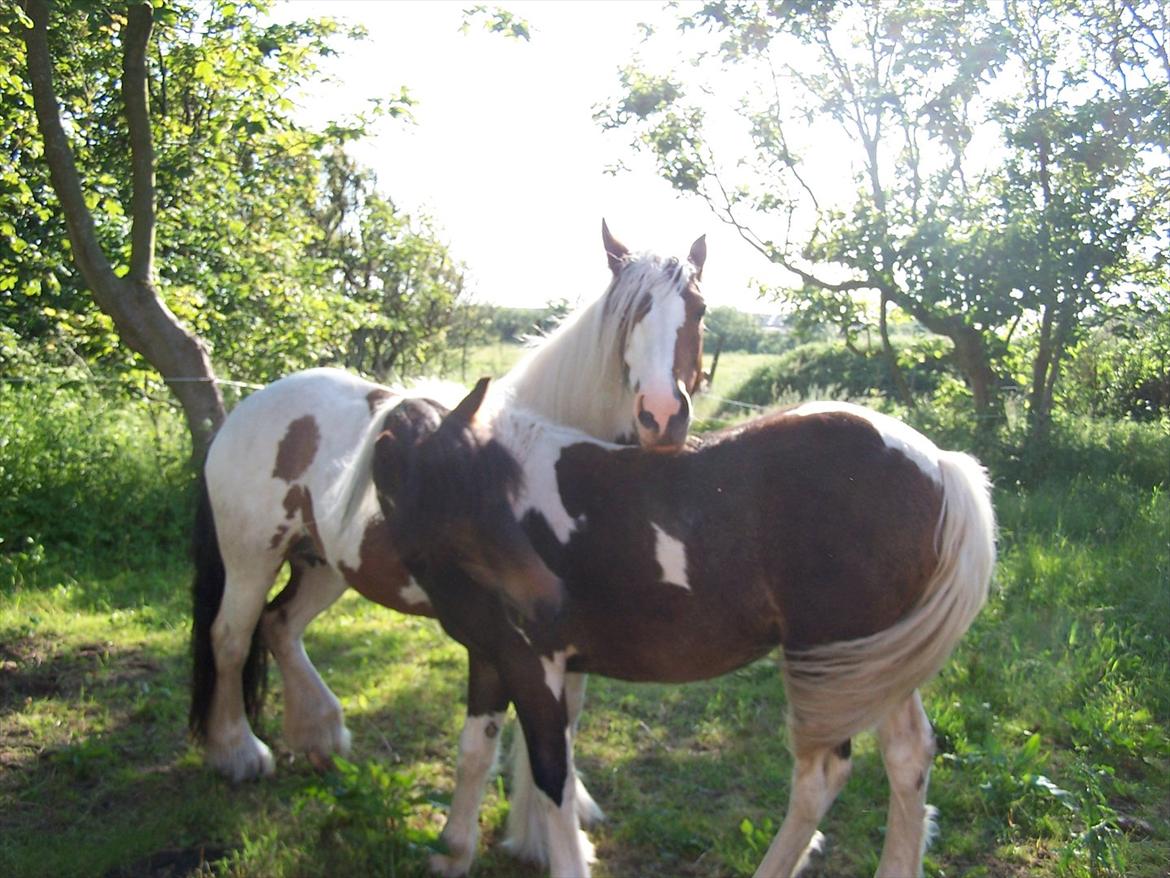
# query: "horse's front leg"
{"points": [[487, 701], [525, 837], [538, 690]]}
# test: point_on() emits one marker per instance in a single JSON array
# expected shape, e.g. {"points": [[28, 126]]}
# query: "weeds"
{"points": [[367, 814]]}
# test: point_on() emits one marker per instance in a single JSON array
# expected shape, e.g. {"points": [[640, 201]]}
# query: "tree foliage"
{"points": [[1009, 166], [257, 238]]}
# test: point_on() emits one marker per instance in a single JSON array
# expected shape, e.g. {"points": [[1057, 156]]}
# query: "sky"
{"points": [[504, 153]]}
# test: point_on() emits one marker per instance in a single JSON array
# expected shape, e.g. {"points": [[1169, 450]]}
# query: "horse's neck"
{"points": [[574, 378], [535, 441]]}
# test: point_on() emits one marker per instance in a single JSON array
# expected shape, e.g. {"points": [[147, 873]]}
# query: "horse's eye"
{"points": [[701, 312]]}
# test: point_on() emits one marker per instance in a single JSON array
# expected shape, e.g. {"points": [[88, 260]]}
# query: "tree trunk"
{"points": [[972, 358], [896, 374], [970, 355], [144, 322]]}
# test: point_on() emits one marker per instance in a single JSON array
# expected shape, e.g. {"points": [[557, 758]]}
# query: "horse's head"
{"points": [[660, 310], [446, 493]]}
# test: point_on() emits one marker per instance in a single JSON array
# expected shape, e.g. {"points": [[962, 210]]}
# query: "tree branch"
{"points": [[726, 212], [140, 18], [87, 252]]}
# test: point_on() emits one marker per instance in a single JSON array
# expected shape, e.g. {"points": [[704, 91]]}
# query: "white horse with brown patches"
{"points": [[622, 368], [839, 534]]}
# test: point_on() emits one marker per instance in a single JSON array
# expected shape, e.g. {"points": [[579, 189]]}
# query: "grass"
{"points": [[1051, 718]]}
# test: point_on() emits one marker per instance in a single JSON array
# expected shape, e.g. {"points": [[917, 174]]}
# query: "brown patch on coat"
{"points": [[278, 537], [298, 500], [375, 398], [380, 575], [688, 345], [814, 547], [297, 449]]}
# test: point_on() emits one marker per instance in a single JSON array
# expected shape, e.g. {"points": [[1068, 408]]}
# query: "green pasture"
{"points": [[1051, 719], [733, 368]]}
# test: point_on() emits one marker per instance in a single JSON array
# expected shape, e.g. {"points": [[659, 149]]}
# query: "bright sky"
{"points": [[505, 155]]}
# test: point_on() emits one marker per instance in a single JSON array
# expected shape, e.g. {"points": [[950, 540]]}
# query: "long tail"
{"points": [[207, 592], [840, 689]]}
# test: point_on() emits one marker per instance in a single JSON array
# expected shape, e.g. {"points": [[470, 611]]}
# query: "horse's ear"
{"points": [[470, 404], [698, 254], [615, 250]]}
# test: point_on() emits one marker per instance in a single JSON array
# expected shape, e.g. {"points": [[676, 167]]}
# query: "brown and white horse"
{"points": [[837, 533], [622, 368]]}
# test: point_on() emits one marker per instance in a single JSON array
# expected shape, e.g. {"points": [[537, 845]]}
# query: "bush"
{"points": [[82, 472], [1122, 371], [820, 365]]}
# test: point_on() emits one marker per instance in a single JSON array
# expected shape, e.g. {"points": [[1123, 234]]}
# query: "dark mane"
{"points": [[447, 477]]}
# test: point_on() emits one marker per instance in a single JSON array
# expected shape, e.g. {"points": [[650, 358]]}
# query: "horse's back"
{"points": [[285, 443]]}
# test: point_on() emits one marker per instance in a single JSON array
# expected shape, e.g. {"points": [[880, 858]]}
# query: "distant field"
{"points": [[495, 359]]}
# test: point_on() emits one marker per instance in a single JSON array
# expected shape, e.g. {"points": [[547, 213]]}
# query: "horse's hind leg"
{"points": [[232, 747], [817, 778], [907, 745], [588, 810], [313, 721]]}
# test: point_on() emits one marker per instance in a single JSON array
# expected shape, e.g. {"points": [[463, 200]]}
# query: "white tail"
{"points": [[840, 689]]}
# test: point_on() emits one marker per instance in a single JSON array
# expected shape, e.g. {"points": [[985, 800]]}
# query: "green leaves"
{"points": [[497, 20], [204, 72], [247, 252], [1008, 185]]}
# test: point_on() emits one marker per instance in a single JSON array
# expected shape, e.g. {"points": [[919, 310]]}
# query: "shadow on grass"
{"points": [[99, 778]]}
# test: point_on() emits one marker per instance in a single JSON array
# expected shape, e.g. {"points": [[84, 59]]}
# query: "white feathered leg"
{"points": [[478, 744]]}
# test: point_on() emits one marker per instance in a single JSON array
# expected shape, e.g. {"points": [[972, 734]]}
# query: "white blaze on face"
{"points": [[671, 554], [650, 357]]}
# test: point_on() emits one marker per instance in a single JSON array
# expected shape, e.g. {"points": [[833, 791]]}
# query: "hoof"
{"points": [[318, 740], [320, 763], [448, 866], [249, 761], [588, 811]]}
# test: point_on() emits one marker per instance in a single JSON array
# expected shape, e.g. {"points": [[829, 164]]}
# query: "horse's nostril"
{"points": [[646, 419]]}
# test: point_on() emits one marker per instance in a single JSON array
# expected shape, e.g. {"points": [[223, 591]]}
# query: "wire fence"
{"points": [[93, 379], [252, 385]]}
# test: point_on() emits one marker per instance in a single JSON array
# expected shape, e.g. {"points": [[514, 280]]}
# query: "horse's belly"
{"points": [[670, 647]]}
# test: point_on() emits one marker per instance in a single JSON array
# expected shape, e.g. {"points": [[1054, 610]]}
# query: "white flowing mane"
{"points": [[577, 374]]}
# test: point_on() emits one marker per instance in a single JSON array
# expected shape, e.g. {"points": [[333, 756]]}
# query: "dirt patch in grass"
{"points": [[41, 669], [32, 667]]}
